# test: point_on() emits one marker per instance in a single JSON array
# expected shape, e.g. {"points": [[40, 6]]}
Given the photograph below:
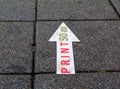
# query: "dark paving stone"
{"points": [[17, 9], [14, 82], [116, 4], [75, 9], [15, 46], [78, 81], [98, 49]]}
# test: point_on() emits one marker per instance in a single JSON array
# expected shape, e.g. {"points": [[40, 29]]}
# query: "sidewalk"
{"points": [[28, 59]]}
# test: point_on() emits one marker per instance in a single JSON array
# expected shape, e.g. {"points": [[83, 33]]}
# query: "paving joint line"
{"points": [[15, 73], [82, 71], [61, 20], [114, 8], [97, 71], [81, 20], [34, 48], [16, 21], [36, 73]]}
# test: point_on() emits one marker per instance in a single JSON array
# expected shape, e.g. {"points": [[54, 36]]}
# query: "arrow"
{"points": [[65, 59]]}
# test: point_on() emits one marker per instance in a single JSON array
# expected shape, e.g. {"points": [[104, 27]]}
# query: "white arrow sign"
{"points": [[65, 59]]}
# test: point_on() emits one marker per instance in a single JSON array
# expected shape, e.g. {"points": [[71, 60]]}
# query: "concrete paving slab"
{"points": [[14, 82], [75, 9], [78, 81], [17, 9], [15, 46], [98, 49], [116, 4]]}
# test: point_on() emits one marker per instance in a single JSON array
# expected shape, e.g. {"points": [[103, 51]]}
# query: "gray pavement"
{"points": [[78, 81], [17, 10], [28, 59], [75, 9], [15, 82], [15, 47]]}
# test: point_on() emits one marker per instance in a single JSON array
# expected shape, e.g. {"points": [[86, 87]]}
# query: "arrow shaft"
{"points": [[65, 58]]}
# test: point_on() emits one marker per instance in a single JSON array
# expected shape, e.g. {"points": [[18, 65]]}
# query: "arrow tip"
{"points": [[63, 24], [70, 33]]}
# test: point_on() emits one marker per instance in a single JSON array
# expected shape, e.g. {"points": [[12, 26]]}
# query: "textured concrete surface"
{"points": [[17, 9], [75, 9], [116, 4], [78, 81], [14, 82], [15, 47], [98, 49], [26, 53]]}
